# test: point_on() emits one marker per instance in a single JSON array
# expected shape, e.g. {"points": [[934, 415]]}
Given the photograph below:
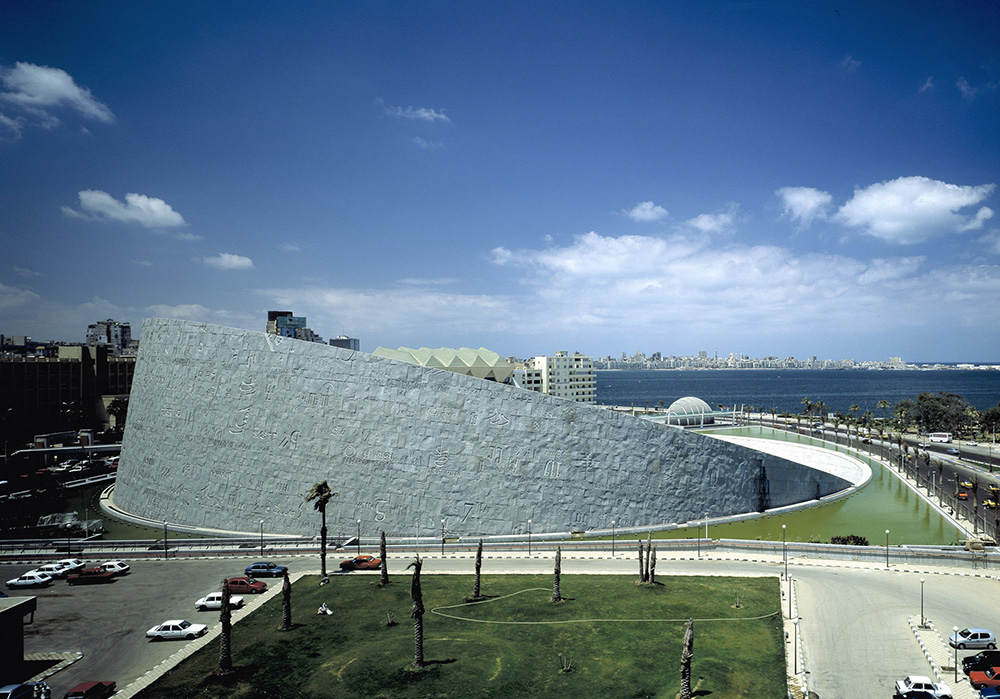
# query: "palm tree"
{"points": [[321, 493], [883, 405], [642, 566], [686, 654], [808, 405], [118, 408], [417, 614], [556, 595], [853, 410], [479, 565], [286, 603], [652, 566], [225, 638], [383, 566]]}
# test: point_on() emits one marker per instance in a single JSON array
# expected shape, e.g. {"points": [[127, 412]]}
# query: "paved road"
{"points": [[855, 637]]}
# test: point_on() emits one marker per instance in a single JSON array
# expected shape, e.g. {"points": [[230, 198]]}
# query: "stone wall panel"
{"points": [[227, 427]]}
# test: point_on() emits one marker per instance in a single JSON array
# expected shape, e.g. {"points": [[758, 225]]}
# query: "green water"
{"points": [[884, 503]]}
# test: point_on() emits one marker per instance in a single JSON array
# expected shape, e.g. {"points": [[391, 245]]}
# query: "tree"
{"points": [[645, 565], [906, 413], [321, 493], [883, 405], [286, 603], [642, 564], [118, 409], [652, 566], [853, 410], [383, 566], [556, 594], [989, 419], [686, 654], [225, 638], [418, 614], [943, 412], [479, 566]]}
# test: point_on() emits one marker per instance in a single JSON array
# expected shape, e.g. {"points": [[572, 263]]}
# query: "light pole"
{"points": [[697, 530], [954, 630], [529, 537], [612, 538], [164, 539], [784, 551], [789, 597], [921, 602], [442, 537], [886, 548], [357, 539], [262, 538], [706, 527], [795, 652]]}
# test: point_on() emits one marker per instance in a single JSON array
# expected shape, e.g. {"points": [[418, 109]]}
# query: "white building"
{"points": [[564, 376]]}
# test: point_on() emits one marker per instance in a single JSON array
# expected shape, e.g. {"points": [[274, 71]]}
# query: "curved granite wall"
{"points": [[228, 427]]}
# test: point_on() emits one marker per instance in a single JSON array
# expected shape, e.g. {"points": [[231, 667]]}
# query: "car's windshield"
{"points": [[964, 632], [185, 624]]}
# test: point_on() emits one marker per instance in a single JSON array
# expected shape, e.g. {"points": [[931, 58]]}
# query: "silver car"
{"points": [[973, 638]]}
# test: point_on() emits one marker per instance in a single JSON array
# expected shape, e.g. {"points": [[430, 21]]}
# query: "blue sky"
{"points": [[761, 178]]}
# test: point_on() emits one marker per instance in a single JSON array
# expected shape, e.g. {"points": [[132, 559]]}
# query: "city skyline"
{"points": [[786, 179]]}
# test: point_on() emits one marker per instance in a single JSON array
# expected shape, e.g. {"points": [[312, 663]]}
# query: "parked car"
{"points": [[962, 495], [981, 661], [919, 683], [246, 585], [265, 568], [361, 563], [952, 451], [53, 570], [74, 564], [990, 504], [989, 693], [176, 628], [989, 677], [973, 638], [116, 567], [915, 694], [17, 691], [214, 601], [30, 579], [993, 488], [967, 484], [91, 576], [91, 690]]}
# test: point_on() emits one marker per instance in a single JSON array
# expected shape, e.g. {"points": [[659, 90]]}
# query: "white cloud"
{"points": [[186, 311], [804, 204], [850, 64], [645, 212], [426, 145], [13, 297], [37, 90], [416, 281], [225, 260], [10, 128], [501, 255], [417, 114], [968, 92], [928, 84], [912, 209], [137, 208], [191, 237], [715, 223], [977, 221], [25, 272], [289, 247]]}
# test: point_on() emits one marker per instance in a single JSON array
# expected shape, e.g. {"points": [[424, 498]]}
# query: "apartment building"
{"points": [[565, 375]]}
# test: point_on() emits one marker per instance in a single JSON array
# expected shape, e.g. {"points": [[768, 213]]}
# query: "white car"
{"points": [[74, 564], [176, 628], [214, 601], [54, 570], [919, 683], [116, 567], [30, 579]]}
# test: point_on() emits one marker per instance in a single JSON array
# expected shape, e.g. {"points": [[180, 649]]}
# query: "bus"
{"points": [[939, 436]]}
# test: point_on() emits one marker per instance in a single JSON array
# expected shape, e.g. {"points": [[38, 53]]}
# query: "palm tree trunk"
{"points": [[286, 603], [479, 565], [686, 654], [642, 564], [418, 614], [383, 566], [225, 638], [322, 544], [556, 594], [418, 641], [652, 566]]}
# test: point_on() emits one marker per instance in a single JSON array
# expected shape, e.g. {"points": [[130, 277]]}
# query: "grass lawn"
{"points": [[613, 639]]}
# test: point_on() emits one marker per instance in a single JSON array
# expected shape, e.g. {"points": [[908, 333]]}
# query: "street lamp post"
{"points": [[921, 602], [357, 539], [886, 548], [164, 539], [706, 527], [789, 597], [697, 530], [795, 652], [262, 538], [442, 537], [529, 537], [784, 551], [612, 538], [954, 630]]}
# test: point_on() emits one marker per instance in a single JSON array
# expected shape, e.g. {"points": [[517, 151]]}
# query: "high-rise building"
{"points": [[565, 375], [117, 337], [351, 343], [286, 324]]}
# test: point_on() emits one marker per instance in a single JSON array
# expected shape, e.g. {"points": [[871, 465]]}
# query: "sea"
{"points": [[784, 389]]}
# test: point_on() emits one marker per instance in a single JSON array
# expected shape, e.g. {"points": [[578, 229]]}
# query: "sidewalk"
{"points": [[942, 659]]}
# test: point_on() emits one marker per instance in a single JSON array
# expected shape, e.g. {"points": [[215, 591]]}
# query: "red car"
{"points": [[91, 576], [247, 586], [985, 678], [361, 563], [91, 690]]}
